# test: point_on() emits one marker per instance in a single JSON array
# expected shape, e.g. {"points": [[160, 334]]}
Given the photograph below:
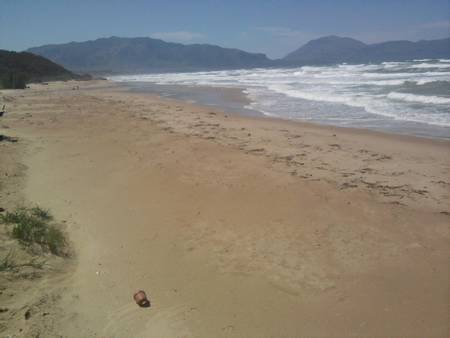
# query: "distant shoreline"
{"points": [[235, 100]]}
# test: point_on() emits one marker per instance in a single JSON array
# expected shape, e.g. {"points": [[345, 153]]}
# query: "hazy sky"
{"points": [[274, 27]]}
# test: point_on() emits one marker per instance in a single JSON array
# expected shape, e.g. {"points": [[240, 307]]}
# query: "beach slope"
{"points": [[234, 226]]}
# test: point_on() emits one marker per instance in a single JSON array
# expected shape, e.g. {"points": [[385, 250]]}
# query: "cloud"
{"points": [[179, 36], [437, 25]]}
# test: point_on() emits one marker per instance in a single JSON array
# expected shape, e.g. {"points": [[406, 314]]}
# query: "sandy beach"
{"points": [[234, 226]]}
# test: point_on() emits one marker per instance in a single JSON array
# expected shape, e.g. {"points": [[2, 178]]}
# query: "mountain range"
{"points": [[334, 49], [133, 55], [137, 55]]}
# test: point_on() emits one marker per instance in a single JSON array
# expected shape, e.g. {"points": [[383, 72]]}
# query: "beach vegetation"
{"points": [[35, 226], [18, 69], [13, 80], [9, 263]]}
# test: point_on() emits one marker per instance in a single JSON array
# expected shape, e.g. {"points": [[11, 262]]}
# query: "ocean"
{"points": [[402, 97]]}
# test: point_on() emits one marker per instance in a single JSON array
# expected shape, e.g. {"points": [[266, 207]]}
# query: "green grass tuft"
{"points": [[7, 262], [33, 226], [55, 240], [43, 214]]}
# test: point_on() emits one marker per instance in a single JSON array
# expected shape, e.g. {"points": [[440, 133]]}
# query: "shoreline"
{"points": [[234, 225], [235, 100], [389, 143], [259, 116]]}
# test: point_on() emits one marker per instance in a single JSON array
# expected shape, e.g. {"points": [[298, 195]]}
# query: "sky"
{"points": [[273, 27]]}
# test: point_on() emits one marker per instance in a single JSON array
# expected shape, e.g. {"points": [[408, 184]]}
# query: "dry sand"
{"points": [[234, 226]]}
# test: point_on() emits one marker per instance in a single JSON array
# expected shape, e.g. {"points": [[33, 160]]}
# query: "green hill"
{"points": [[18, 69]]}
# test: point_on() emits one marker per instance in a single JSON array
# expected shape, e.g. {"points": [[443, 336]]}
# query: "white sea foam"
{"points": [[431, 65], [405, 91], [433, 79], [418, 98]]}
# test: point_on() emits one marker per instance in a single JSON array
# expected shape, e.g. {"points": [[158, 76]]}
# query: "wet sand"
{"points": [[234, 226], [239, 100]]}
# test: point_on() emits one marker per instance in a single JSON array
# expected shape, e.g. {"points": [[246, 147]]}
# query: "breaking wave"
{"points": [[415, 91]]}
